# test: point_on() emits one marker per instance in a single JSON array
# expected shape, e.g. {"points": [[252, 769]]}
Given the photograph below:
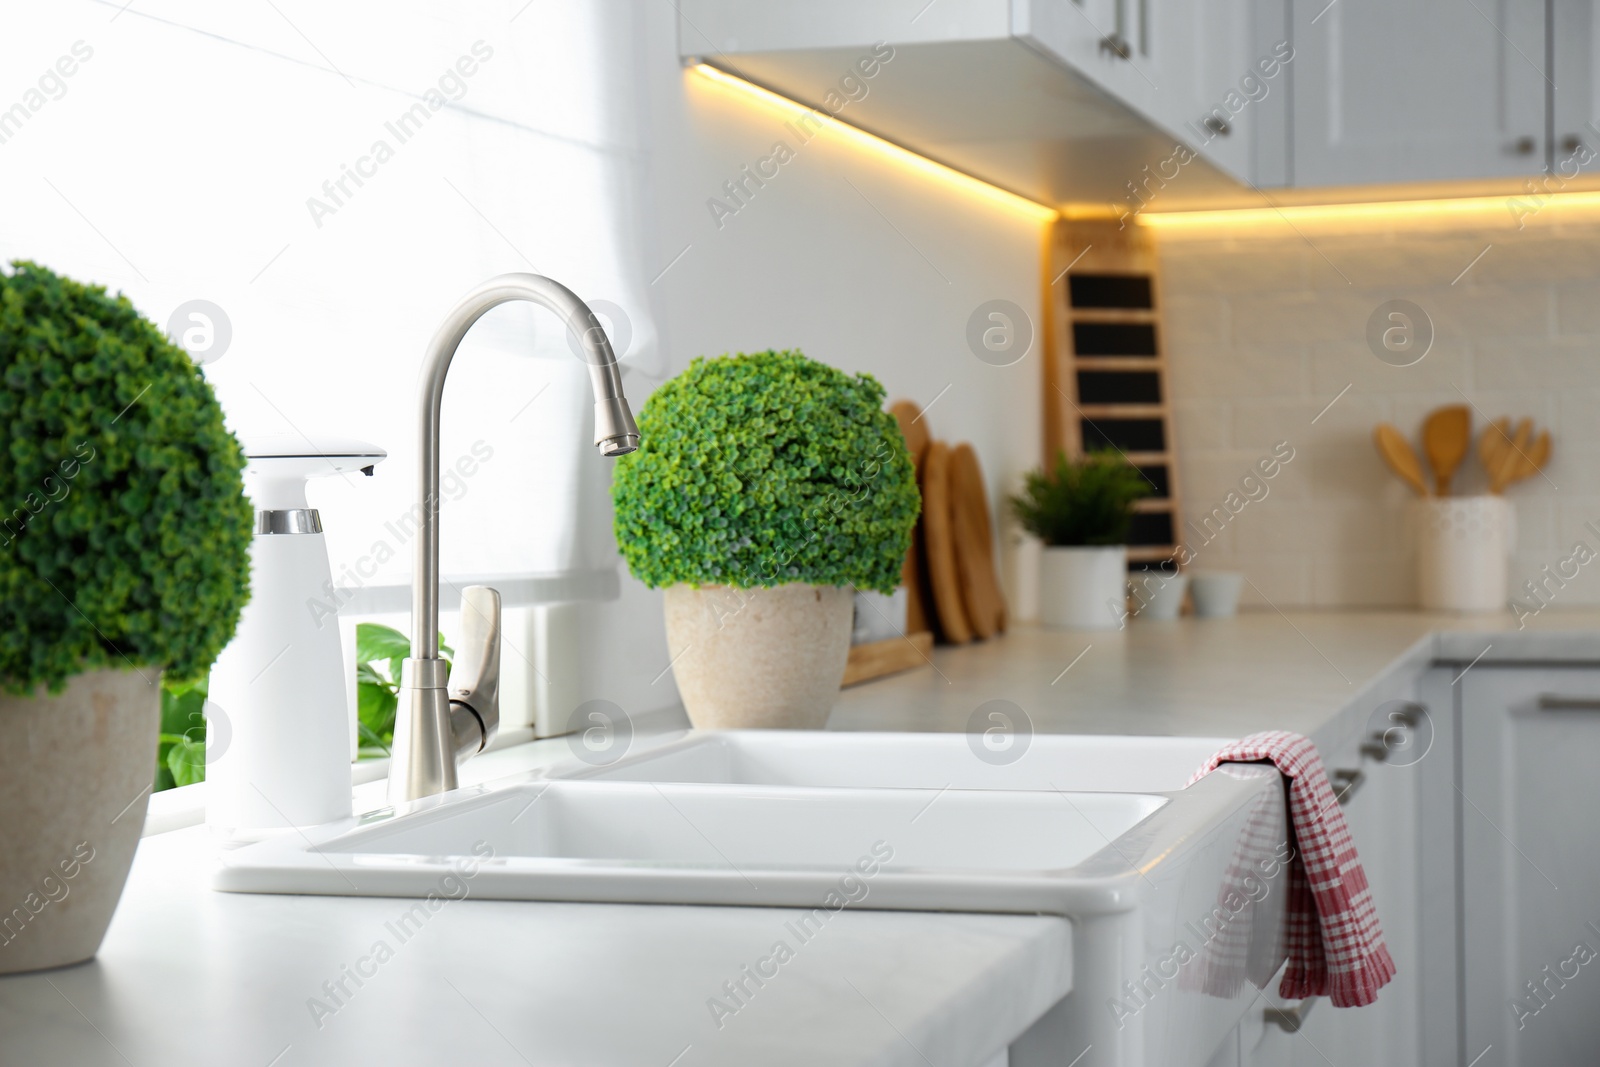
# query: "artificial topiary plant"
{"points": [[124, 529], [763, 469], [1089, 502]]}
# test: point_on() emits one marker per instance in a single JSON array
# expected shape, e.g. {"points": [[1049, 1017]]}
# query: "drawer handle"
{"points": [[1346, 782], [1291, 1019], [1554, 702]]}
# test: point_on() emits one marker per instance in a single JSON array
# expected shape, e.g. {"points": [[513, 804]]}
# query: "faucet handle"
{"points": [[475, 677]]}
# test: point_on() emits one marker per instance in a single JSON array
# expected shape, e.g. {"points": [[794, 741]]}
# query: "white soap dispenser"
{"points": [[282, 758]]}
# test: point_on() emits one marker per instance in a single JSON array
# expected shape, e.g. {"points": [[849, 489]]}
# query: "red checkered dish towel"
{"points": [[1334, 942]]}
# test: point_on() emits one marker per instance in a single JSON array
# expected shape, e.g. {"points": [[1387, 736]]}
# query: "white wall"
{"points": [[809, 263]]}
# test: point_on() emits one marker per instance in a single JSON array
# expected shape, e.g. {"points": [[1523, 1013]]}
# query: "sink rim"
{"points": [[1106, 881], [655, 746]]}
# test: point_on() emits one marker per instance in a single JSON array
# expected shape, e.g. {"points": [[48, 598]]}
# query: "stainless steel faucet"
{"points": [[436, 727]]}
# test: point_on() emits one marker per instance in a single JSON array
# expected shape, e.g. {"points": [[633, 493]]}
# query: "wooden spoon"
{"points": [[1397, 452], [1446, 439]]}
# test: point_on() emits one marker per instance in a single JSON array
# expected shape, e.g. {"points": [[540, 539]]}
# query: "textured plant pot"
{"points": [[1084, 587], [759, 658], [75, 776]]}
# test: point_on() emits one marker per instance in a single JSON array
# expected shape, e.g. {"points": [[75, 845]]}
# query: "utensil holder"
{"points": [[1464, 546]]}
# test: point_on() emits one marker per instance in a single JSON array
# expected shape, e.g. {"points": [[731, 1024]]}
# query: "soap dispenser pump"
{"points": [[283, 759]]}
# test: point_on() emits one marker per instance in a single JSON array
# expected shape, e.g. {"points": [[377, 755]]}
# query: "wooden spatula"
{"points": [[1538, 454], [1511, 458], [1397, 452], [1446, 438], [1492, 445], [1532, 459]]}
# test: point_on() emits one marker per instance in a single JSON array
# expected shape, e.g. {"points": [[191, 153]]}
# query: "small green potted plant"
{"points": [[1082, 510], [767, 489], [124, 553]]}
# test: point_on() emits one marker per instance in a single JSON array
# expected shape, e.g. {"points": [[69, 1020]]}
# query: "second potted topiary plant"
{"points": [[1082, 510], [125, 552], [767, 488]]}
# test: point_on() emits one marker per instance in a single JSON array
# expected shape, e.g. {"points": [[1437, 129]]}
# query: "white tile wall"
{"points": [[1266, 324]]}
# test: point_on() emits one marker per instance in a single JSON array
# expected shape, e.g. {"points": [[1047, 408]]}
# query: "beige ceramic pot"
{"points": [[759, 658], [75, 776]]}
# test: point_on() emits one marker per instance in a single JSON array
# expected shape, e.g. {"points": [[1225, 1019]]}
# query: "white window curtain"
{"points": [[333, 177]]}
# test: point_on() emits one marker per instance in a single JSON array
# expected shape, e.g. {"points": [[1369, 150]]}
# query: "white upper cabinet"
{"points": [[1059, 100], [1575, 114], [1191, 103], [1419, 91]]}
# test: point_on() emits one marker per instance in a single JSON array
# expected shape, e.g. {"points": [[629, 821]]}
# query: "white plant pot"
{"points": [[1084, 588], [75, 774], [1158, 595], [1464, 547], [759, 658], [1215, 594]]}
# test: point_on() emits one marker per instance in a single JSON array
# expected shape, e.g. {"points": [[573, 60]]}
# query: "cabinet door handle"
{"points": [[1117, 45], [1291, 1019], [1523, 146], [1571, 143], [1346, 782], [1217, 126], [1555, 702]]}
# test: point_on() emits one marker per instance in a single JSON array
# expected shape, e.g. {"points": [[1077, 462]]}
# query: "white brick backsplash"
{"points": [[1236, 271], [1263, 319], [1221, 370], [1551, 363], [1367, 580], [1578, 307], [1336, 364], [1262, 333], [1202, 425], [1196, 318], [1276, 581]]}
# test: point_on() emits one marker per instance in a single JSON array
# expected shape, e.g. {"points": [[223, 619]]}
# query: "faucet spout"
{"points": [[431, 720]]}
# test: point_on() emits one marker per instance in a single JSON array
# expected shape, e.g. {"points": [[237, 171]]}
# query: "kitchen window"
{"points": [[302, 219]]}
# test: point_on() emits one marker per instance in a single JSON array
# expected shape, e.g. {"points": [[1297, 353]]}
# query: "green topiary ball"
{"points": [[124, 529], [764, 469]]}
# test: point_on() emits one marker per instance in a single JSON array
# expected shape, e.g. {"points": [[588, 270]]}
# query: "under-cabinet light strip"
{"points": [[1513, 209], [921, 164]]}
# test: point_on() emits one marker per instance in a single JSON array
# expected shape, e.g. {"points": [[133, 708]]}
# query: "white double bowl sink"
{"points": [[1100, 830]]}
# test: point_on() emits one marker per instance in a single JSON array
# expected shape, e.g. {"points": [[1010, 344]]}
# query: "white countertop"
{"points": [[190, 976], [1201, 678]]}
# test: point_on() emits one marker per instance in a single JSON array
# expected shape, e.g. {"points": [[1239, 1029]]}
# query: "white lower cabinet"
{"points": [[1529, 763]]}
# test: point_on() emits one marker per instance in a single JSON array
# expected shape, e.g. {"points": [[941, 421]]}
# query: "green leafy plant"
{"points": [[379, 652], [181, 755], [181, 752], [763, 469], [124, 529], [1087, 502]]}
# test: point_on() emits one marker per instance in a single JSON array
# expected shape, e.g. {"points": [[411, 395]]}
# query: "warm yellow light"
{"points": [[1512, 209], [924, 166]]}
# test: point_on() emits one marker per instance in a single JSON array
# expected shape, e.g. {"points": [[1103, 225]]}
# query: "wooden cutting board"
{"points": [[980, 585], [939, 543], [913, 427], [913, 575]]}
